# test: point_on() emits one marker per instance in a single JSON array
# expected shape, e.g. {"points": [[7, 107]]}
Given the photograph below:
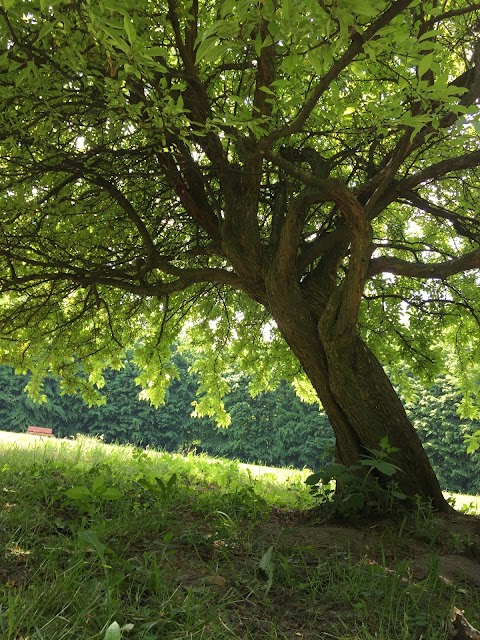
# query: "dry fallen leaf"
{"points": [[217, 581]]}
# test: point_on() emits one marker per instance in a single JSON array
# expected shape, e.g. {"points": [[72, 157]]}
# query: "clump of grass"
{"points": [[108, 542]]}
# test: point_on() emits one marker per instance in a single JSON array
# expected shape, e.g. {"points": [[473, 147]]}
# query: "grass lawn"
{"points": [[107, 542]]}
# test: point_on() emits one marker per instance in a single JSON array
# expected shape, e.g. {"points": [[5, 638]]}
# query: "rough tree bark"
{"points": [[358, 398], [318, 320]]}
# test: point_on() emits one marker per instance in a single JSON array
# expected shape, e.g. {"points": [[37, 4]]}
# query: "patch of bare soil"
{"points": [[453, 540], [333, 581], [443, 546]]}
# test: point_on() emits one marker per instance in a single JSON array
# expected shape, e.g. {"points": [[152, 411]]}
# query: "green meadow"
{"points": [[102, 542]]}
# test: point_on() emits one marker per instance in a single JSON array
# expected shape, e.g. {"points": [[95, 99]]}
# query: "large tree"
{"points": [[293, 184]]}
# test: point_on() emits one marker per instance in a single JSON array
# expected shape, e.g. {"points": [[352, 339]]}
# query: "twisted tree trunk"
{"points": [[356, 394]]}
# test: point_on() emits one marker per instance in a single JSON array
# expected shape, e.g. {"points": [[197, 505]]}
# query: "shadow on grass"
{"points": [[191, 547]]}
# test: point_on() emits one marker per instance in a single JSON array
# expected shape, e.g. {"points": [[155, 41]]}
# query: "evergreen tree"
{"points": [[274, 428], [442, 431]]}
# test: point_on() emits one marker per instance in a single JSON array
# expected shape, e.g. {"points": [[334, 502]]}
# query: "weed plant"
{"points": [[108, 542]]}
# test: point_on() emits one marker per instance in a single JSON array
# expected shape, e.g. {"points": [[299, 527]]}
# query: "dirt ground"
{"points": [[454, 539]]}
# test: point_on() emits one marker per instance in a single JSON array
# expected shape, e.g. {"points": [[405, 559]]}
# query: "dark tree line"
{"points": [[274, 428]]}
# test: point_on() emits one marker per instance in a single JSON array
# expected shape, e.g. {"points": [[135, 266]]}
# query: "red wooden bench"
{"points": [[40, 431]]}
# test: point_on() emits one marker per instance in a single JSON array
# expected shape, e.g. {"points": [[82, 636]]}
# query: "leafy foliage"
{"points": [[274, 428], [434, 411], [87, 498], [161, 491], [127, 126], [288, 187], [352, 491]]}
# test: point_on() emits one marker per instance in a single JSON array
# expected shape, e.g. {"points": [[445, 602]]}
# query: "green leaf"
{"points": [[425, 64], [45, 30], [266, 565], [365, 8], [116, 39], [387, 468], [428, 34], [112, 493], [146, 484], [386, 447], [267, 90], [287, 9], [78, 493], [476, 125], [113, 632], [473, 441], [172, 481], [328, 473], [313, 479], [257, 44], [89, 539], [129, 28], [98, 484], [206, 50], [157, 51]]}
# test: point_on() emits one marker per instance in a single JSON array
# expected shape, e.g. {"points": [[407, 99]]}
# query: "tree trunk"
{"points": [[356, 394], [373, 410]]}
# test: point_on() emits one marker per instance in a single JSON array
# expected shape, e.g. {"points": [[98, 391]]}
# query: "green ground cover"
{"points": [[102, 542]]}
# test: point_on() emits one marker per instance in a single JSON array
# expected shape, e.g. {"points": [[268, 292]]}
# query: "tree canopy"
{"points": [[280, 183]]}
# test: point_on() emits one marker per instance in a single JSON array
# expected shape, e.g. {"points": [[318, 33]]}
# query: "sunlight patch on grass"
{"points": [[464, 502]]}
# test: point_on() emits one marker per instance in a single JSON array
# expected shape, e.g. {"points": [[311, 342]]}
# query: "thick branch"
{"points": [[436, 271], [439, 170], [458, 221], [117, 280], [191, 202], [264, 76], [290, 235], [341, 312], [331, 189], [324, 244], [386, 175], [184, 52]]}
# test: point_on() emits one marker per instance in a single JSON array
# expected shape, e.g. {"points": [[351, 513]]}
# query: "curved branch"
{"points": [[129, 209]]}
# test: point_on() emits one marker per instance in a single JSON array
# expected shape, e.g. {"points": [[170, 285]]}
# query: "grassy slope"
{"points": [[89, 537]]}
